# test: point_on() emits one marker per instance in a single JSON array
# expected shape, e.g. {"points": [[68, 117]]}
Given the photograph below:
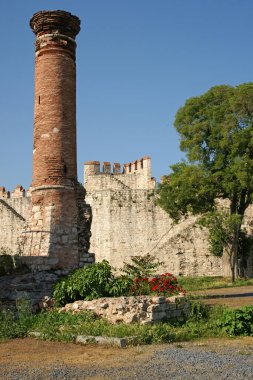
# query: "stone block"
{"points": [[112, 341], [35, 209]]}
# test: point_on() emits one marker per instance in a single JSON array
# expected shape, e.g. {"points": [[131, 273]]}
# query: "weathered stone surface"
{"points": [[103, 340], [35, 287], [142, 309], [127, 222], [13, 212]]}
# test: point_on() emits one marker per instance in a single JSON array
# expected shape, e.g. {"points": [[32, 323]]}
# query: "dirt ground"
{"points": [[33, 354], [28, 356], [232, 297]]}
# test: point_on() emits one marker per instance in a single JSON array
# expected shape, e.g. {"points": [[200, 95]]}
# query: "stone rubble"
{"points": [[141, 309]]}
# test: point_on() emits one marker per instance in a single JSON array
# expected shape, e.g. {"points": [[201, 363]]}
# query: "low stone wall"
{"points": [[142, 309], [36, 288]]}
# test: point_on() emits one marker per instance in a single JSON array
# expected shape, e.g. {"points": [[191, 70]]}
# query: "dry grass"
{"points": [[29, 352], [22, 351]]}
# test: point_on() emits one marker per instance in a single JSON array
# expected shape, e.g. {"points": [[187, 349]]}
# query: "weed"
{"points": [[53, 325]]}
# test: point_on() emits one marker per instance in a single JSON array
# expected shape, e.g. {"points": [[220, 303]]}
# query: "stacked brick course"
{"points": [[54, 236]]}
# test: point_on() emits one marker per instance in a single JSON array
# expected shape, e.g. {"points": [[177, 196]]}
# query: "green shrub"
{"points": [[238, 322], [86, 283], [7, 265], [16, 324], [141, 266], [97, 280], [198, 311], [121, 286]]}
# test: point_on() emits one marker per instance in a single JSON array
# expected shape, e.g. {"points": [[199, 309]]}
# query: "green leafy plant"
{"points": [[86, 283], [238, 322], [198, 311], [7, 265], [15, 322], [221, 226], [98, 280], [141, 266], [121, 286]]}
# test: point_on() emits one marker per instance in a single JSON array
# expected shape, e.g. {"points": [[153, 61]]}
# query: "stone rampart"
{"points": [[15, 209], [134, 175], [13, 214], [127, 222]]}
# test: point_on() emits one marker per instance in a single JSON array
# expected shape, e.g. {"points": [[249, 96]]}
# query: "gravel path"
{"points": [[231, 361]]}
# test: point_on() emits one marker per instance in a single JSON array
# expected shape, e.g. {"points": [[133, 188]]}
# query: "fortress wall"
{"points": [[128, 223], [20, 205], [125, 222], [13, 213], [103, 181], [135, 175]]}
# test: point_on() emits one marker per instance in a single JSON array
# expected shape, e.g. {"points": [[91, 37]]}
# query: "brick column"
{"points": [[51, 237]]}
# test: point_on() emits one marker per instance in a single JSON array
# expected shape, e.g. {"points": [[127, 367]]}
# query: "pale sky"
{"points": [[137, 63]]}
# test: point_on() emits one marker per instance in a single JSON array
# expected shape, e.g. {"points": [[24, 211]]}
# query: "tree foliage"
{"points": [[221, 227], [216, 133]]}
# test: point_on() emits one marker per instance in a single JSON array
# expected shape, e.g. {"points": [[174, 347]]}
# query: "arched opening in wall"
{"points": [[130, 168], [135, 165], [142, 163], [39, 99], [65, 169]]}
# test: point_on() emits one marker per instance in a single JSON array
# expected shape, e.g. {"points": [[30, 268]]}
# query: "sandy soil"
{"points": [[20, 354]]}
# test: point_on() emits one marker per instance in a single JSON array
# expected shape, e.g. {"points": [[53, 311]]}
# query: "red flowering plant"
{"points": [[166, 285], [140, 270]]}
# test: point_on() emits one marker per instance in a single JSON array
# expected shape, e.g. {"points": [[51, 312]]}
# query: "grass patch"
{"points": [[55, 326], [204, 283]]}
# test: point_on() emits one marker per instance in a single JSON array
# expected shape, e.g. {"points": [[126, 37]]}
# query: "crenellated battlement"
{"points": [[138, 166], [134, 175], [141, 166], [18, 192], [3, 193]]}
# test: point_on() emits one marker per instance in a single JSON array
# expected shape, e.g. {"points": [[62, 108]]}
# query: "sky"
{"points": [[137, 63]]}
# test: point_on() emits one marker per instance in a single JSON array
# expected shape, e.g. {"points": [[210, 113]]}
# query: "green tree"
{"points": [[216, 134]]}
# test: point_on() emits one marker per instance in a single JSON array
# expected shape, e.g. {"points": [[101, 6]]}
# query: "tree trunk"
{"points": [[234, 254], [233, 265]]}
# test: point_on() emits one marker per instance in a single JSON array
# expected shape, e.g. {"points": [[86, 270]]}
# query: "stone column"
{"points": [[51, 237]]}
